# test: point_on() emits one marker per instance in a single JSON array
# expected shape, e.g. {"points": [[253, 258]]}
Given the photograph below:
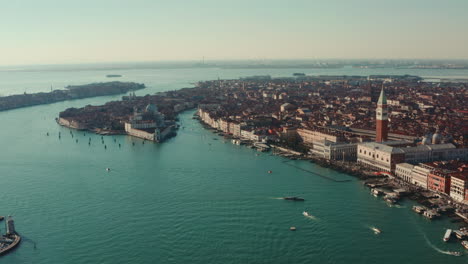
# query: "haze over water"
{"points": [[191, 199]]}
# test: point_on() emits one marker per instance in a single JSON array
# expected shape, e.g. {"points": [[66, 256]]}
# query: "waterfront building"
{"points": [[224, 125], [335, 151], [148, 124], [419, 175], [235, 129], [382, 118], [251, 135], [439, 181], [459, 186], [379, 156], [403, 171]]}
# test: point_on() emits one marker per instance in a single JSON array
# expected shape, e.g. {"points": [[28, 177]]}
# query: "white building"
{"points": [[379, 156], [436, 152], [403, 171], [458, 186], [335, 151], [419, 175], [235, 129]]}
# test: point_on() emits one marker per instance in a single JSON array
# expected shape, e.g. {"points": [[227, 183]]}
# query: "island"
{"points": [[150, 117], [71, 92]]}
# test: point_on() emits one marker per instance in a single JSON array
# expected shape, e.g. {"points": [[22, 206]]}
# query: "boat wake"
{"points": [[452, 253], [309, 216], [396, 205], [306, 214]]}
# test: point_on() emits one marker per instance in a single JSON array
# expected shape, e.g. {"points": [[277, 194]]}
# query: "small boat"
{"points": [[108, 169], [292, 228], [454, 253], [447, 235], [270, 171], [431, 214], [459, 234], [418, 209], [376, 230], [305, 213], [294, 198], [1, 218], [376, 192], [465, 244]]}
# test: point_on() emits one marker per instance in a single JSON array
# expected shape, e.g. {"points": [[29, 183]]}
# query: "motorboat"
{"points": [[465, 244], [376, 230], [294, 198], [447, 235]]}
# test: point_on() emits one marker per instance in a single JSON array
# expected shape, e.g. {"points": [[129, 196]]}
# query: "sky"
{"points": [[88, 31]]}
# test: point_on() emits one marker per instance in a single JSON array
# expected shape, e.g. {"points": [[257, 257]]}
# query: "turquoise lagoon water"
{"points": [[192, 199]]}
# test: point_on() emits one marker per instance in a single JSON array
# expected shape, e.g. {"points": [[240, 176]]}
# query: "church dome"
{"points": [[151, 108], [426, 140], [436, 138]]}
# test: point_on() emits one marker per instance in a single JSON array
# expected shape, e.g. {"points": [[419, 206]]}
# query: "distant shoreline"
{"points": [[72, 92]]}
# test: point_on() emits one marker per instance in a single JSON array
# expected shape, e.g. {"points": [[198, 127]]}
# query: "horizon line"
{"points": [[206, 61]]}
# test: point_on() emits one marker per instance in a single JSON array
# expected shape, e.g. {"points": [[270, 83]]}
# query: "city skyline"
{"points": [[55, 32]]}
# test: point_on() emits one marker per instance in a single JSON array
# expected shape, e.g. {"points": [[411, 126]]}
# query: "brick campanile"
{"points": [[382, 118]]}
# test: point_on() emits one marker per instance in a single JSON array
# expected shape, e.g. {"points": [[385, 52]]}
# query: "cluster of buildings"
{"points": [[149, 124], [150, 117], [444, 177], [351, 119]]}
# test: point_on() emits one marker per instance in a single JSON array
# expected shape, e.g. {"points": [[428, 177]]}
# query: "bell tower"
{"points": [[382, 118]]}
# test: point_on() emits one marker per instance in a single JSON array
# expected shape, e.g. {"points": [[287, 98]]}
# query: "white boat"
{"points": [[418, 209], [107, 169], [447, 235], [376, 230], [465, 244], [305, 213], [454, 253]]}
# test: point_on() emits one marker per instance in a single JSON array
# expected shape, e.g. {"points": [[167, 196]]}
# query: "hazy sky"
{"points": [[65, 31]]}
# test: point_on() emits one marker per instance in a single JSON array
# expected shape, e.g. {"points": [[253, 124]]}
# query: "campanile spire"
{"points": [[382, 118]]}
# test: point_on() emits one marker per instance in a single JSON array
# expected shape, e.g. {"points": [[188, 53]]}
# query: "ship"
{"points": [[294, 198], [376, 192], [305, 213], [418, 209], [376, 230], [465, 244], [431, 214], [11, 239], [113, 75], [447, 235]]}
